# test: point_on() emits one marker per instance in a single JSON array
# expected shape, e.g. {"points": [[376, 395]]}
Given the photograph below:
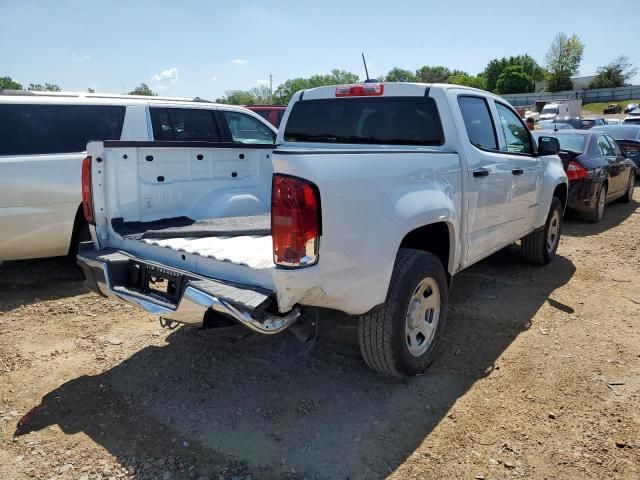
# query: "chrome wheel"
{"points": [[422, 317], [601, 202], [553, 233]]}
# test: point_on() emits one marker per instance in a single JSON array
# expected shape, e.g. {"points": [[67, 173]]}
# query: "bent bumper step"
{"points": [[107, 273]]}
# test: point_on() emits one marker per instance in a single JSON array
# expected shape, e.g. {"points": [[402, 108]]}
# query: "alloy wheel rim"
{"points": [[423, 315], [601, 202], [553, 234]]}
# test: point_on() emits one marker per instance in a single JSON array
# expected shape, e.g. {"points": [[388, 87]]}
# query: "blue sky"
{"points": [[202, 48]]}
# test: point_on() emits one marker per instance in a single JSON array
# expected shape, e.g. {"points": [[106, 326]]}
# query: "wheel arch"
{"points": [[436, 238]]}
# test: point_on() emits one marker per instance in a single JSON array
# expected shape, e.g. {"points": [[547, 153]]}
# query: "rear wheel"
{"points": [[540, 246], [598, 210], [628, 196], [401, 337]]}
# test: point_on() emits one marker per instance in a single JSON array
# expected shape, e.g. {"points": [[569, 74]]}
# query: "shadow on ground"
{"points": [[324, 415], [22, 282]]}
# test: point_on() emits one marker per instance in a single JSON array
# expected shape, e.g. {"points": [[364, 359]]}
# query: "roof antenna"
{"points": [[366, 70]]}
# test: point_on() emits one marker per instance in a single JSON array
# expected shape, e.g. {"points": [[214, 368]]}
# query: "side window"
{"points": [[184, 124], [605, 147], [614, 145], [516, 134], [478, 122], [246, 129], [41, 129]]}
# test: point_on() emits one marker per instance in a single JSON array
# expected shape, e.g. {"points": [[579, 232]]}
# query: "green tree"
{"points": [[468, 80], [286, 90], [438, 74], [514, 79], [563, 61], [496, 67], [9, 83], [558, 82], [91, 90], [47, 87], [615, 74], [259, 95], [143, 89], [400, 75]]}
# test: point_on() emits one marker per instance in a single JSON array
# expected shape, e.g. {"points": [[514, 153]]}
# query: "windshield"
{"points": [[366, 120], [550, 110], [573, 142]]}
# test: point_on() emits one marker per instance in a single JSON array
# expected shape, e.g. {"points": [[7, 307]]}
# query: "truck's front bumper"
{"points": [[109, 273]]}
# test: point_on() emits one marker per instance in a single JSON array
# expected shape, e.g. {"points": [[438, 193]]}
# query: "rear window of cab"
{"points": [[366, 120]]}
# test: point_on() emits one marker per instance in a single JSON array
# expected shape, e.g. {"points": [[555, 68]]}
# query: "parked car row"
{"points": [[367, 200]]}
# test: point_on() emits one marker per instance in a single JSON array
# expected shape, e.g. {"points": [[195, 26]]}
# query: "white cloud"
{"points": [[80, 58], [262, 82], [168, 75], [214, 78], [240, 61]]}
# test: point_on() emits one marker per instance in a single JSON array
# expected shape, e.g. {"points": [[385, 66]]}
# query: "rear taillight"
{"points": [[87, 199], [295, 221], [360, 90], [575, 171]]}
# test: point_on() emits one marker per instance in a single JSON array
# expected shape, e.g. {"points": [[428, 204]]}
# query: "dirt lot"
{"points": [[539, 377]]}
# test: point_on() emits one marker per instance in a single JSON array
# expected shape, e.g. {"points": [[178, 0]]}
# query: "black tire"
{"points": [[535, 248], [382, 334], [628, 195], [596, 214]]}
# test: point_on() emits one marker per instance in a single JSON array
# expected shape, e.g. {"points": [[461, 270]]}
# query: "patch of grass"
{"points": [[593, 108]]}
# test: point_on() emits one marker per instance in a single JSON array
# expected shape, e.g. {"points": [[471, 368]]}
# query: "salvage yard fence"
{"points": [[587, 96]]}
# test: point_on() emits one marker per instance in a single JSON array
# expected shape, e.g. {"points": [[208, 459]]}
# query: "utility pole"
{"points": [[271, 89]]}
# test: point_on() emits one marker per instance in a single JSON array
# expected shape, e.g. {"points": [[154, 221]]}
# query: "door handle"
{"points": [[517, 171], [481, 172]]}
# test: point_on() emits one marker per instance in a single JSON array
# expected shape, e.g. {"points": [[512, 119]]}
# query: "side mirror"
{"points": [[548, 146]]}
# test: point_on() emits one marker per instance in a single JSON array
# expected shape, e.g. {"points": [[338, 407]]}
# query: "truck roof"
{"points": [[391, 89]]}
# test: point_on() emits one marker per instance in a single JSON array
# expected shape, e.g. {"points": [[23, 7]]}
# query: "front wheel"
{"points": [[540, 246], [400, 338]]}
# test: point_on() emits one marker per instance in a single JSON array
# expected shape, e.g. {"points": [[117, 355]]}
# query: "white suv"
{"points": [[42, 143]]}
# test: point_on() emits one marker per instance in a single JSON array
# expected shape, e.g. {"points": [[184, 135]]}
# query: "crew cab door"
{"points": [[526, 170], [489, 178]]}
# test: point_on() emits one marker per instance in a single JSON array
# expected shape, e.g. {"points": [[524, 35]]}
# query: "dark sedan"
{"points": [[628, 137], [597, 169]]}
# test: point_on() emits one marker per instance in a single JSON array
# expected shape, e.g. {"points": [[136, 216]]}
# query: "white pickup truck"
{"points": [[373, 197]]}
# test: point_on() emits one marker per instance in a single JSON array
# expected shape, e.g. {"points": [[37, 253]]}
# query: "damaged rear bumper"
{"points": [[123, 277]]}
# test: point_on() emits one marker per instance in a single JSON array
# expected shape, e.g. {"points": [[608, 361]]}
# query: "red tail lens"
{"points": [[87, 199], [295, 221], [575, 171], [360, 90]]}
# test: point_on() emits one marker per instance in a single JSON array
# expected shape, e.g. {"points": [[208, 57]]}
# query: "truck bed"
{"points": [[254, 251], [180, 227]]}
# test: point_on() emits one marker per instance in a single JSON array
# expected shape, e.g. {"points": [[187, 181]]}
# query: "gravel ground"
{"points": [[539, 377]]}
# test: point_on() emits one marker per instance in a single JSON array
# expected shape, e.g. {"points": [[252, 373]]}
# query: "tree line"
{"points": [[515, 74]]}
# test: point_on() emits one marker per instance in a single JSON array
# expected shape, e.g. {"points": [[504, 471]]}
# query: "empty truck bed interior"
{"points": [[241, 240]]}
